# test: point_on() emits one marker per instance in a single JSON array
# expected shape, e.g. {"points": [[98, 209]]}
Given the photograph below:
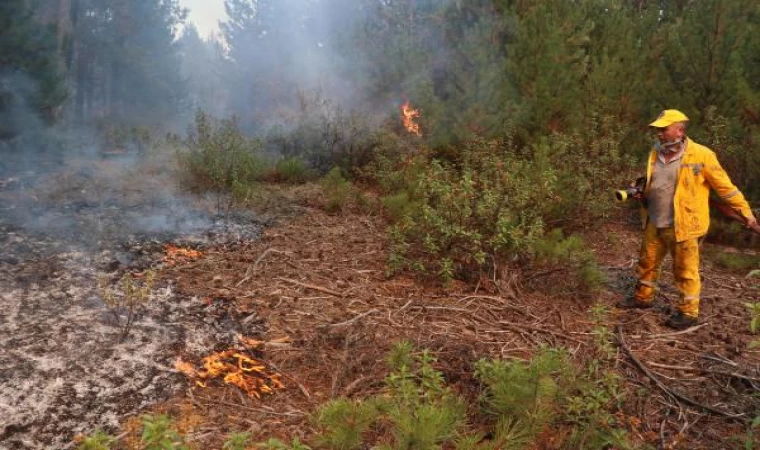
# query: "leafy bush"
{"points": [[597, 392], [324, 135], [467, 213], [128, 300], [344, 423], [495, 200], [754, 309], [292, 170], [159, 434], [419, 411], [220, 158], [99, 440], [526, 393], [237, 441], [398, 205], [572, 256], [338, 191], [276, 444], [735, 261]]}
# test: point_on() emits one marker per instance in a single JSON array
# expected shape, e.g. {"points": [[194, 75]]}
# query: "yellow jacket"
{"points": [[699, 171]]}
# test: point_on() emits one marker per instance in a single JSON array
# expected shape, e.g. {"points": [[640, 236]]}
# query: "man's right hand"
{"points": [[751, 222]]}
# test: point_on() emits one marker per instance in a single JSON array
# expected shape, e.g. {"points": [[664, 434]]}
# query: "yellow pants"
{"points": [[656, 242]]}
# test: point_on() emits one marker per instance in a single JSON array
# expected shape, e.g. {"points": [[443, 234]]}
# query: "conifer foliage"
{"points": [[30, 77]]}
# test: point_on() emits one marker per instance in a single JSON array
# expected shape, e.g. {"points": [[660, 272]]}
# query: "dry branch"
{"points": [[706, 371], [665, 389], [352, 320], [313, 287], [675, 333], [523, 328]]}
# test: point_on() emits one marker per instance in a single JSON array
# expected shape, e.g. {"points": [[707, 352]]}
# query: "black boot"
{"points": [[679, 321], [633, 303]]}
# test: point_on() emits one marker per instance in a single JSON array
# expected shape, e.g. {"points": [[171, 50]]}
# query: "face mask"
{"points": [[667, 147]]}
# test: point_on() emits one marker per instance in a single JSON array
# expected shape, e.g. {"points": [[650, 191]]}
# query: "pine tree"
{"points": [[201, 63], [30, 76], [547, 62], [125, 59]]}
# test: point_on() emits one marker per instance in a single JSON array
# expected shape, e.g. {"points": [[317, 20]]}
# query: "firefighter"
{"points": [[680, 174]]}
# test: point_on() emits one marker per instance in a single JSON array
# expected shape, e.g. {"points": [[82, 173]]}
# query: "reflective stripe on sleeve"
{"points": [[732, 194]]}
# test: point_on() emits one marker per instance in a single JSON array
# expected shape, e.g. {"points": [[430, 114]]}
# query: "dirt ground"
{"points": [[315, 290]]}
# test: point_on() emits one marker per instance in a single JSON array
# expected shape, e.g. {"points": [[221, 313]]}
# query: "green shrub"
{"points": [[127, 301], [395, 166], [159, 434], [220, 158], [495, 199], [735, 261], [422, 411], [324, 135], [293, 170], [237, 441], [99, 440], [344, 423], [397, 206], [597, 393], [418, 411], [338, 191], [276, 444], [570, 256], [529, 393], [467, 212]]}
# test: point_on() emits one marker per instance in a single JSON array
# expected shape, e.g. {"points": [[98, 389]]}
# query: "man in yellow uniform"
{"points": [[680, 174]]}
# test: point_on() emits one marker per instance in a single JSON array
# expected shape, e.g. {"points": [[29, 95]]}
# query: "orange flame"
{"points": [[408, 114], [174, 254], [235, 368]]}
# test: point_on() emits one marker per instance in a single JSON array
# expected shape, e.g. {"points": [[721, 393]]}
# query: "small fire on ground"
{"points": [[236, 368], [174, 254], [408, 114]]}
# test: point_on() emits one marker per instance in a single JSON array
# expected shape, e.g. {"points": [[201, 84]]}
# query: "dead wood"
{"points": [[313, 287], [705, 371], [669, 392], [675, 333], [352, 320], [522, 328]]}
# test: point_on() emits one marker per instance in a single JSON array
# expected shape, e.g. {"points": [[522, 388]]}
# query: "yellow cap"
{"points": [[668, 117]]}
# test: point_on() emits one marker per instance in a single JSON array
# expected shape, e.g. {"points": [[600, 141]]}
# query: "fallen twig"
{"points": [[352, 320], [313, 287], [211, 402], [503, 302], [675, 333], [352, 385], [707, 371], [253, 267], [661, 385], [523, 328]]}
